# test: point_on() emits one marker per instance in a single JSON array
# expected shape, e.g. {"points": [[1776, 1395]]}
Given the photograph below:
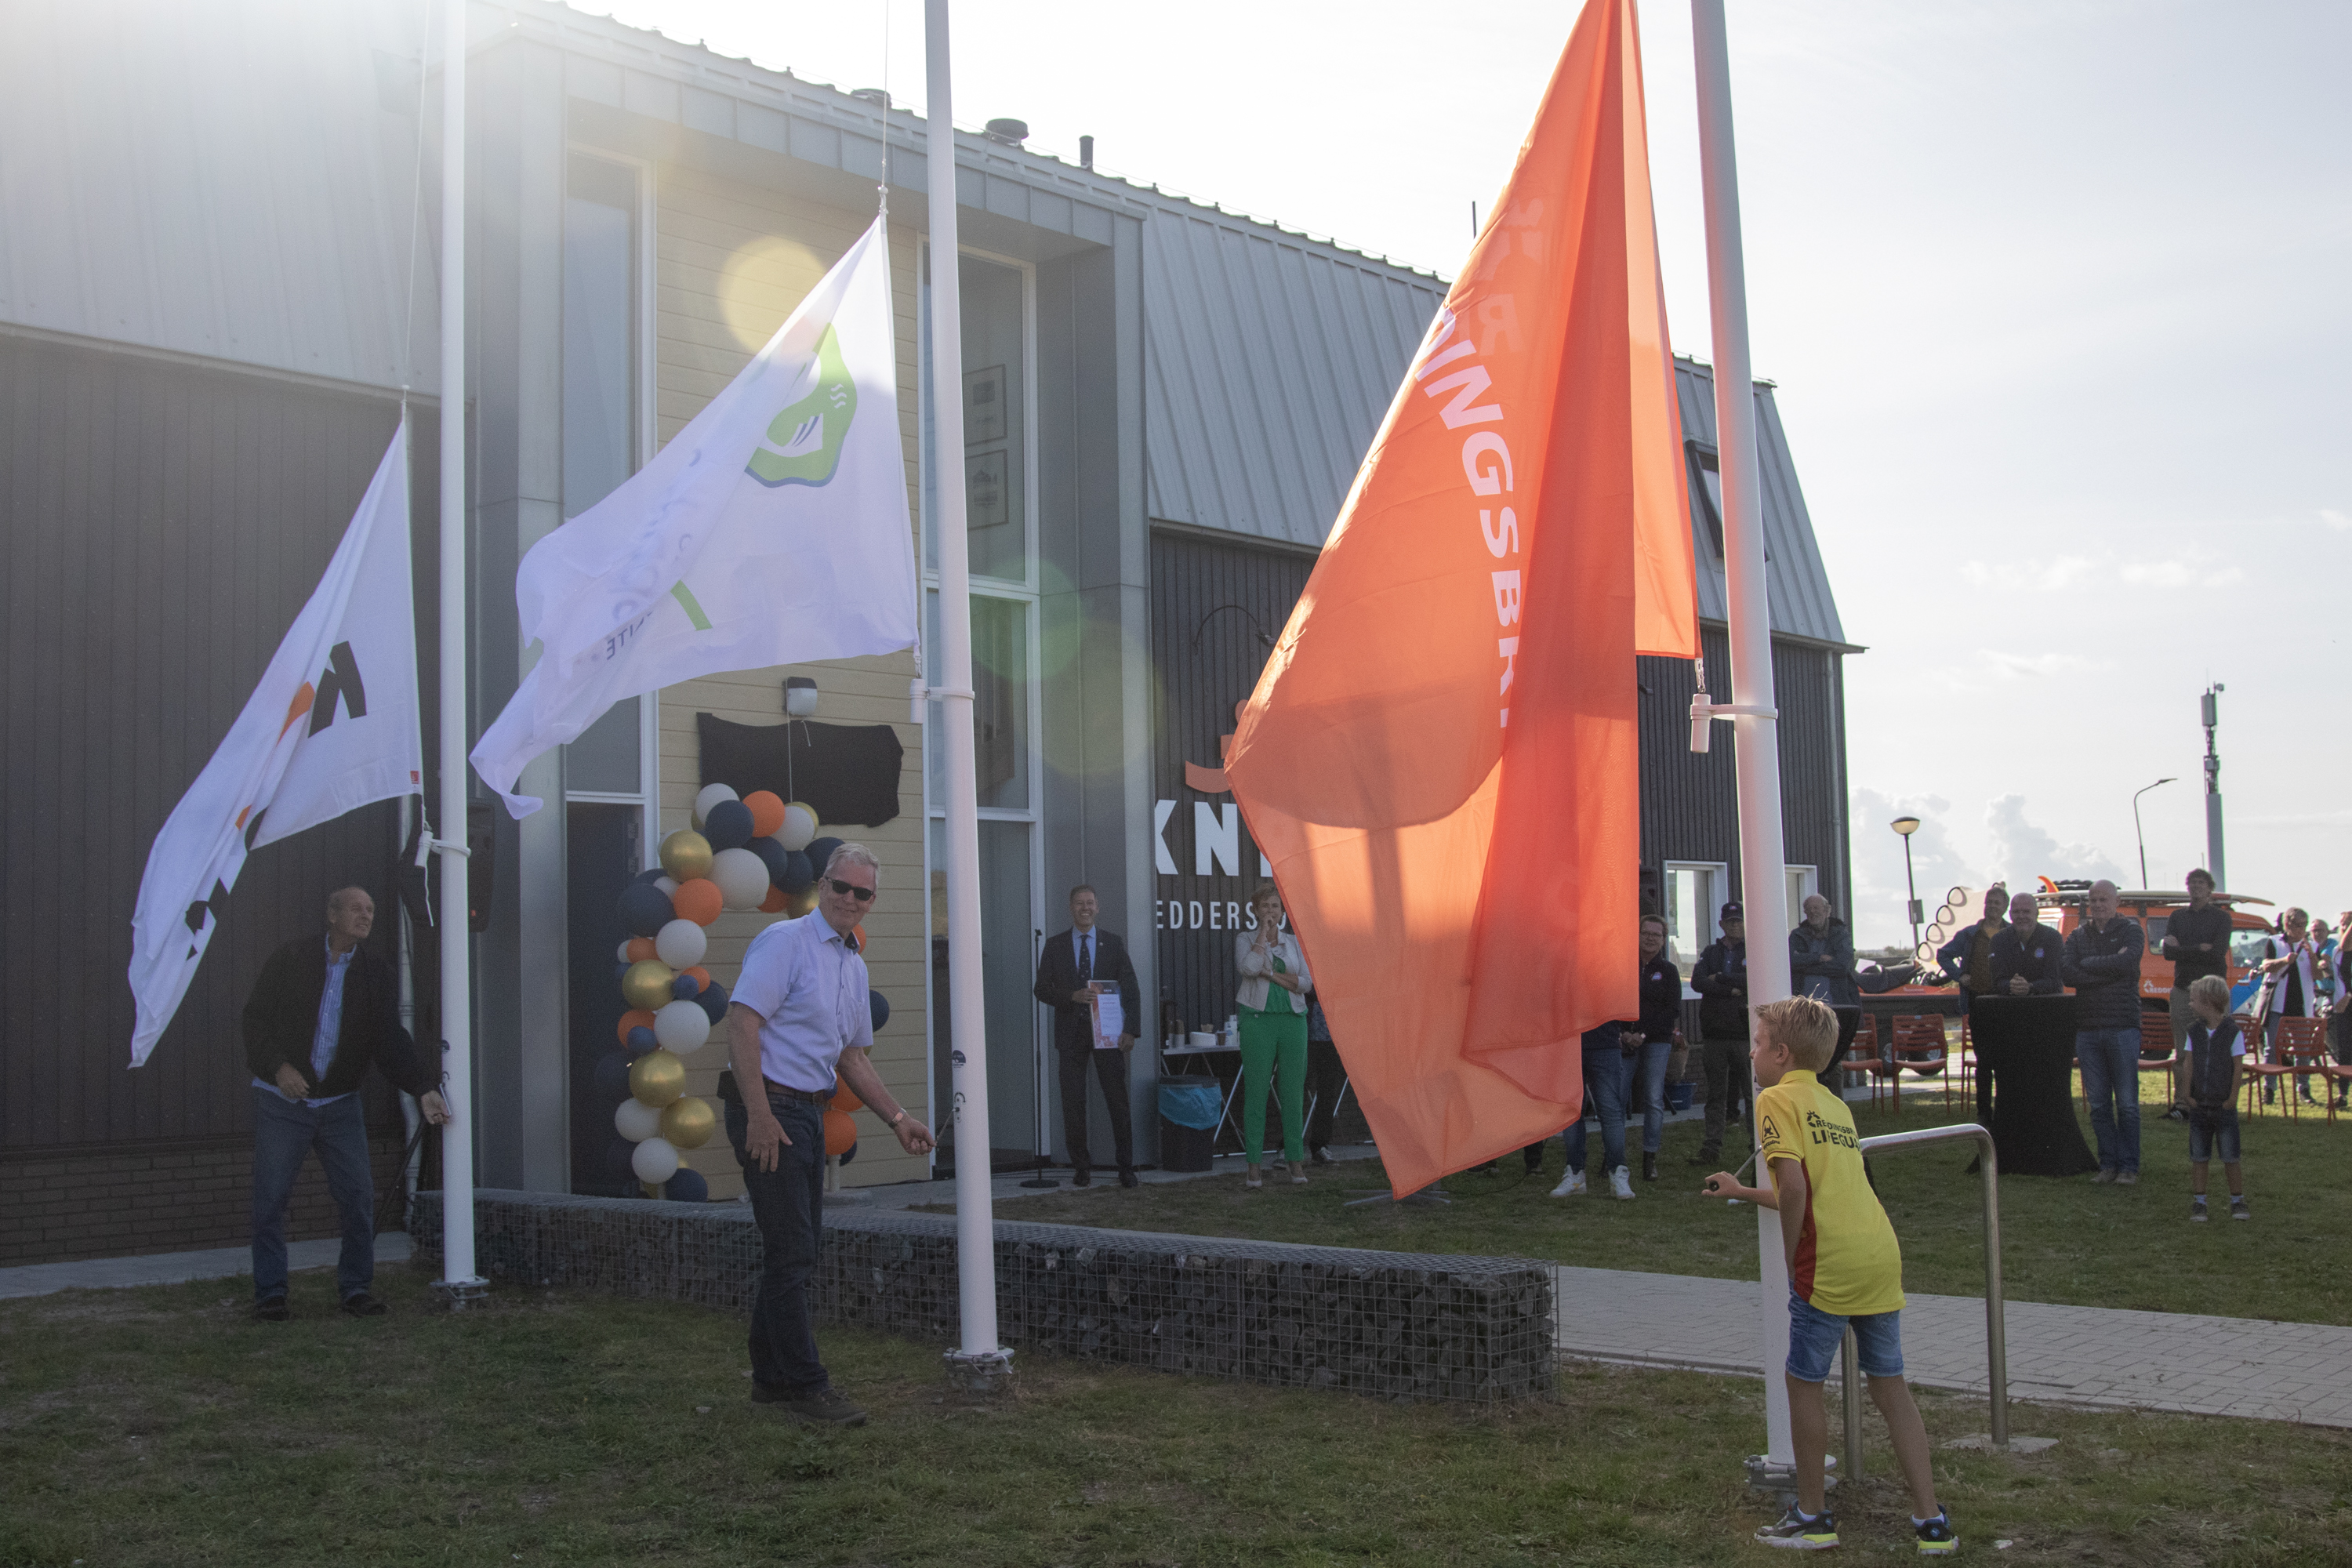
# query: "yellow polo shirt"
{"points": [[1848, 1261]]}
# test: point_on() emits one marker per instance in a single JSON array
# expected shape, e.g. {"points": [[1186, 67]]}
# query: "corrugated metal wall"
{"points": [[1212, 604], [164, 525]]}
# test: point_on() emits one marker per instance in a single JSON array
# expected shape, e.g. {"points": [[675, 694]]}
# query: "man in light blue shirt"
{"points": [[800, 1014]]}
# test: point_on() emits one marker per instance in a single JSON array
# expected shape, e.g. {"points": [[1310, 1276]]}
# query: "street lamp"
{"points": [[1906, 826], [2139, 836]]}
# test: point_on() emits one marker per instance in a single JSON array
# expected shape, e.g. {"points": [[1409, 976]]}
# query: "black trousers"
{"points": [[1327, 1075], [1110, 1068]]}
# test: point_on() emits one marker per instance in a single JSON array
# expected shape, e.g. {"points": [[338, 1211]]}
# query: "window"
{"points": [[996, 478], [1804, 881], [1694, 891]]}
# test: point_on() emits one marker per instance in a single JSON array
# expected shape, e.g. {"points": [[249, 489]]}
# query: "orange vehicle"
{"points": [[2154, 910]]}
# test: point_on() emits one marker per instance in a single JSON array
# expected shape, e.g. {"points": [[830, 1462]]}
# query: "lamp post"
{"points": [[1906, 826], [2136, 834], [2209, 710]]}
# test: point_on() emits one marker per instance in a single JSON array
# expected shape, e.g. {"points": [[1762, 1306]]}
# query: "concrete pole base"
{"points": [[986, 1375], [458, 1294]]}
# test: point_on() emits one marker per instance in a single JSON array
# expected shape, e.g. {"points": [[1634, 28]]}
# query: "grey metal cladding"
{"points": [[230, 181], [1269, 360], [1796, 582]]}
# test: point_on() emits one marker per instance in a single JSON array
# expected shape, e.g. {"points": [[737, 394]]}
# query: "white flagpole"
{"points": [[1756, 728], [458, 1282], [980, 1361]]}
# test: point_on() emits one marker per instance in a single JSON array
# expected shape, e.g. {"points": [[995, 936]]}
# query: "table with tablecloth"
{"points": [[2025, 1084]]}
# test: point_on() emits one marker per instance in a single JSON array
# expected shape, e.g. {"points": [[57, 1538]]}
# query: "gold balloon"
{"points": [[646, 984], [798, 904], [656, 1077], [685, 855], [688, 1122]]}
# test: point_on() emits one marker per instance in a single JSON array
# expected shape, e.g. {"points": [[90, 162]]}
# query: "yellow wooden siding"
{"points": [[732, 260]]}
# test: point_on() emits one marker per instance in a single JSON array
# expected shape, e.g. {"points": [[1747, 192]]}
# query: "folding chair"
{"points": [[2302, 1049], [1919, 1045], [1866, 1056], [2260, 1073]]}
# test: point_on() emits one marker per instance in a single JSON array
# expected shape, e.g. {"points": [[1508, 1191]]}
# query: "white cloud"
{"points": [[2027, 852], [1878, 915], [2191, 569], [2335, 519], [2036, 666], [2052, 576]]}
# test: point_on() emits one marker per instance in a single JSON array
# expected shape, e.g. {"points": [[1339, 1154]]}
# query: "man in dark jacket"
{"points": [[1655, 1037], [1720, 978], [2102, 963], [1074, 966], [1967, 957], [2197, 940], [2026, 954], [323, 1011], [1821, 956]]}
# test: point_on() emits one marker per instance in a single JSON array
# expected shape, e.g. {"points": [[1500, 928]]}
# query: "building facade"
{"points": [[216, 286]]}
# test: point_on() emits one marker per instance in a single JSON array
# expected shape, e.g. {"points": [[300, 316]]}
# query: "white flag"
{"points": [[772, 530], [333, 725]]}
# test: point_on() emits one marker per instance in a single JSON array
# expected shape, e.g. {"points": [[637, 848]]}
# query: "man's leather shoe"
{"points": [[822, 1407], [360, 1304], [1127, 1178], [1320, 1157], [1082, 1177], [1709, 1157], [273, 1311], [1649, 1167]]}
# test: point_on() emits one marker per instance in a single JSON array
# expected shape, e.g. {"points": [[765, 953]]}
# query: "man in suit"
{"points": [[323, 1011], [1076, 966]]}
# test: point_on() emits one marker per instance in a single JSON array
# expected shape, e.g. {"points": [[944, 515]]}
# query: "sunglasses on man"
{"points": [[851, 891]]}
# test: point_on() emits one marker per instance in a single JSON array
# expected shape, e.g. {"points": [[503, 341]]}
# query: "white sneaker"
{"points": [[1570, 1186], [1620, 1182]]}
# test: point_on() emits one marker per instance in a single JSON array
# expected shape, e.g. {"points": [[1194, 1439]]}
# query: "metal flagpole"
{"points": [[1754, 722], [458, 1282], [979, 1363]]}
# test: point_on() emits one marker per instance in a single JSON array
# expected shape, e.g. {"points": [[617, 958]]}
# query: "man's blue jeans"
{"points": [[2110, 1062], [788, 1204], [284, 1131], [1605, 1094], [1650, 1067]]}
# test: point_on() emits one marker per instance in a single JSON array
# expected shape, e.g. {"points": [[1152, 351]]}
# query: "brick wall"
{"points": [[172, 1197]]}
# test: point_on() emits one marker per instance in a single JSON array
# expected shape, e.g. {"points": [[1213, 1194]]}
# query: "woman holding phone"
{"points": [[1272, 1005]]}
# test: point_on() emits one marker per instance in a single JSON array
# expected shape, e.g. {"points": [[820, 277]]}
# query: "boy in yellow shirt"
{"points": [[1845, 1269]]}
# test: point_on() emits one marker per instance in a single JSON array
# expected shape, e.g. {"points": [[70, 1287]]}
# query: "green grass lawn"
{"points": [[160, 1427], [2064, 1241]]}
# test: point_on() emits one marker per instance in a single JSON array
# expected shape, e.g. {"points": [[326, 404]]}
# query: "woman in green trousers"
{"points": [[1274, 1034]]}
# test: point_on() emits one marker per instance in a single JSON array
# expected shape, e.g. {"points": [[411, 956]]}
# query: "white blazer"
{"points": [[1256, 966]]}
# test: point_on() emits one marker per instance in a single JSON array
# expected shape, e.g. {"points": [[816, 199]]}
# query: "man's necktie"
{"points": [[1085, 958]]}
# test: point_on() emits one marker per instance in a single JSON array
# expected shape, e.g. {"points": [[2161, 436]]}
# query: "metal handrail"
{"points": [[1996, 1337]]}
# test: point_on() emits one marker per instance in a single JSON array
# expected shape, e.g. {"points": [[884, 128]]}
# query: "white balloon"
{"points": [[668, 886], [635, 1120], [682, 1027], [654, 1161], [681, 944], [712, 795], [742, 877], [799, 826]]}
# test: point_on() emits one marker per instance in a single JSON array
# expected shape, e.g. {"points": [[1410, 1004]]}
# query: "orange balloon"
{"points": [[631, 1019], [699, 901], [843, 1097], [767, 812], [773, 904], [701, 978], [640, 948], [840, 1132]]}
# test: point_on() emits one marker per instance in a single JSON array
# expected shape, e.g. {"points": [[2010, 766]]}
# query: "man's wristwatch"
{"points": [[898, 1118]]}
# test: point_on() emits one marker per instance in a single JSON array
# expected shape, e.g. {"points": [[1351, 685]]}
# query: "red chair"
{"points": [[1865, 1056], [2260, 1073], [1919, 1045], [2303, 1048]]}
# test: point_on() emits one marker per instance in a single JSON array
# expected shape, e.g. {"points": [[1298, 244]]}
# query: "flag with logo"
{"points": [[333, 725], [1440, 758], [772, 530]]}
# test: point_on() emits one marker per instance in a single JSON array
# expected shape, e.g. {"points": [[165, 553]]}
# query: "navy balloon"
{"points": [[647, 877], [641, 1040], [852, 1154], [819, 851], [799, 875], [687, 1188], [728, 826], [773, 856], [613, 1076], [645, 909], [714, 1001], [684, 988], [880, 1006], [617, 1157]]}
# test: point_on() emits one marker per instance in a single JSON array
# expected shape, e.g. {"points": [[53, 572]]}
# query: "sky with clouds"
{"points": [[2057, 294]]}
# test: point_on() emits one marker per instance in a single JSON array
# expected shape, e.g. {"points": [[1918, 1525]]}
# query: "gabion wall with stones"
{"points": [[1389, 1324]]}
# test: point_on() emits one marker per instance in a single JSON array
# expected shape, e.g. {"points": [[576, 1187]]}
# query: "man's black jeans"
{"points": [[787, 1202], [1110, 1068]]}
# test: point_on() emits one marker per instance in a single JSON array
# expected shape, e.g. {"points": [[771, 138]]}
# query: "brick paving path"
{"points": [[2074, 1355]]}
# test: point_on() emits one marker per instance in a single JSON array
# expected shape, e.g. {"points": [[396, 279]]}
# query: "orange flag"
{"points": [[1440, 758]]}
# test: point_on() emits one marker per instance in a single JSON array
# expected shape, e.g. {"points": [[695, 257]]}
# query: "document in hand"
{"points": [[1110, 1020]]}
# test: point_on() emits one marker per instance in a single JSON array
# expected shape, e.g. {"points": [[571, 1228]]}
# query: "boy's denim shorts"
{"points": [[1814, 1337], [2212, 1129]]}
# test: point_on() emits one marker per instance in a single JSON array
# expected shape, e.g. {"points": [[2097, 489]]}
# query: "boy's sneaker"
{"points": [[1570, 1186], [2197, 1210], [1621, 1184], [1936, 1536], [1800, 1532], [2238, 1209]]}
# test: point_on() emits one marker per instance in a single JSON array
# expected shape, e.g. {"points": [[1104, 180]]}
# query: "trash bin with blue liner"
{"points": [[1189, 1113]]}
